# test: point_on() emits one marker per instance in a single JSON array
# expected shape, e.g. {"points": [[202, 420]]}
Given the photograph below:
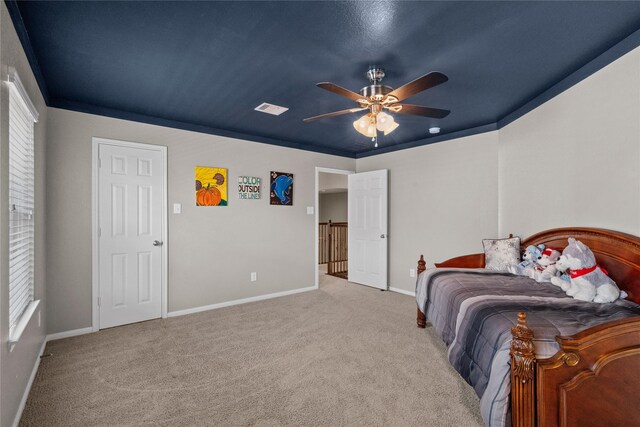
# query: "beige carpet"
{"points": [[342, 355]]}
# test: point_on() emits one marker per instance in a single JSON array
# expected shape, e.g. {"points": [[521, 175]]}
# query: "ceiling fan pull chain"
{"points": [[375, 136]]}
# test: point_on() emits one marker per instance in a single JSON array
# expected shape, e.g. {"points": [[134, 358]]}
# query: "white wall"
{"points": [[16, 366], [212, 251], [575, 160], [333, 207], [443, 200], [332, 181]]}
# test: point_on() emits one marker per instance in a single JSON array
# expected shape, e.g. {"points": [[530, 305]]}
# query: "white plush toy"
{"points": [[589, 282], [563, 281], [546, 268], [529, 257]]}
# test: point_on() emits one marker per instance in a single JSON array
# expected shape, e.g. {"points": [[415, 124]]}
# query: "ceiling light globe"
{"points": [[393, 126], [371, 130], [362, 124], [384, 121]]}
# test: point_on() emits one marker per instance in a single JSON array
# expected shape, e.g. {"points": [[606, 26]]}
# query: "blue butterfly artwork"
{"points": [[281, 189]]}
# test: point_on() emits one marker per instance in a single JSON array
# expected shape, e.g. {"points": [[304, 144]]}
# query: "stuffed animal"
{"points": [[529, 257], [589, 282], [546, 265], [564, 280]]}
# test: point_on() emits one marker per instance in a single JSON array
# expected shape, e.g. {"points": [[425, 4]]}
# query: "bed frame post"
{"points": [[421, 319], [422, 264], [523, 363]]}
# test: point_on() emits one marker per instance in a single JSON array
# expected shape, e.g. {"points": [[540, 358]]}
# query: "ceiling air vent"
{"points": [[265, 107]]}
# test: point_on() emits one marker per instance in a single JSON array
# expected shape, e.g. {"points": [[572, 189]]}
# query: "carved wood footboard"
{"points": [[594, 379]]}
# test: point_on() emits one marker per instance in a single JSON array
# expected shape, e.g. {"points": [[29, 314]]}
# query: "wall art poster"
{"points": [[281, 189], [249, 187], [211, 186]]}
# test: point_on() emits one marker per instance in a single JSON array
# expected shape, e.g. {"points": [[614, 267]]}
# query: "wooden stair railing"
{"points": [[333, 247], [338, 250]]}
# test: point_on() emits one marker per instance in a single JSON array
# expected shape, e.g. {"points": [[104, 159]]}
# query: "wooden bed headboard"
{"points": [[618, 253]]}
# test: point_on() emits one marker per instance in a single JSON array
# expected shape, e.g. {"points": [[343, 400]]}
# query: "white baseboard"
{"points": [[402, 291], [27, 389], [239, 301], [67, 334]]}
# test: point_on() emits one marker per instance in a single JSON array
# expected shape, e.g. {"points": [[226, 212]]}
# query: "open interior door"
{"points": [[368, 228]]}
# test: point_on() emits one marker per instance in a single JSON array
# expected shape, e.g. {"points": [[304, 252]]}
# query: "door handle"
{"points": [[157, 243], [382, 236]]}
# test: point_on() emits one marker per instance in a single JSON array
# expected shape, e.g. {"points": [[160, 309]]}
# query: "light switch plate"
{"points": [[254, 276], [412, 272], [310, 210], [177, 208]]}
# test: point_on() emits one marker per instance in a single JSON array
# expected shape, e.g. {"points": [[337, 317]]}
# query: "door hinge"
{"points": [[99, 162], [99, 301], [99, 231]]}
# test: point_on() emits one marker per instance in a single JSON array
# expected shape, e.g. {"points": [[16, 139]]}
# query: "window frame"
{"points": [[29, 114]]}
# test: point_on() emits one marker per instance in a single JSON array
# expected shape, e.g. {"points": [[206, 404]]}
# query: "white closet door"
{"points": [[368, 192], [130, 236]]}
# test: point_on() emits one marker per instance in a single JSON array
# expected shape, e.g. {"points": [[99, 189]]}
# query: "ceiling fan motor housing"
{"points": [[375, 92]]}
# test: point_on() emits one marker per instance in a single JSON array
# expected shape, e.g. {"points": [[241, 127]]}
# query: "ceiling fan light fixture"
{"points": [[371, 131], [385, 123], [391, 128], [366, 125], [363, 122]]}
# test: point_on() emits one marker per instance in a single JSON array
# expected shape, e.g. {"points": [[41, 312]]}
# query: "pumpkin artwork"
{"points": [[209, 196], [211, 186]]}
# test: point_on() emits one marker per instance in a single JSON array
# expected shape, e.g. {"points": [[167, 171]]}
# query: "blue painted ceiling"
{"points": [[206, 65]]}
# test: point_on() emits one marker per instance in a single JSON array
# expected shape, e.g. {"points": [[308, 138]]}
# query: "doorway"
{"points": [[130, 229], [331, 224]]}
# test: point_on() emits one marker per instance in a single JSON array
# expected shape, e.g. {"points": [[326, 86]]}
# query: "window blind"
{"points": [[21, 203]]}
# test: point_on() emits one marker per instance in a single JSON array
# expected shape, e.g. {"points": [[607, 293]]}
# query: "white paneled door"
{"points": [[368, 228], [130, 234]]}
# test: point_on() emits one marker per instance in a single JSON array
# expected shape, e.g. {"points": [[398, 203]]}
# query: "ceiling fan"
{"points": [[378, 97]]}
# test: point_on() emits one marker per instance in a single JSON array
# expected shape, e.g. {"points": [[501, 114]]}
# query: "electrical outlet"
{"points": [[254, 276], [412, 272], [177, 208]]}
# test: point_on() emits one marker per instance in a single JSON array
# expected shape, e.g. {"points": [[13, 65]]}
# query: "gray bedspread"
{"points": [[473, 310]]}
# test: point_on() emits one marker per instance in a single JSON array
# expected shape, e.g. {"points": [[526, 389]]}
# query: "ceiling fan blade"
{"points": [[419, 110], [331, 87], [334, 114], [418, 85]]}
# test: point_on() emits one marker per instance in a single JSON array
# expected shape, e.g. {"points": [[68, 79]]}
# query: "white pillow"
{"points": [[499, 254]]}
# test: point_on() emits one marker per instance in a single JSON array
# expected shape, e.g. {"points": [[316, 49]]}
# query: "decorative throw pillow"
{"points": [[499, 254]]}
